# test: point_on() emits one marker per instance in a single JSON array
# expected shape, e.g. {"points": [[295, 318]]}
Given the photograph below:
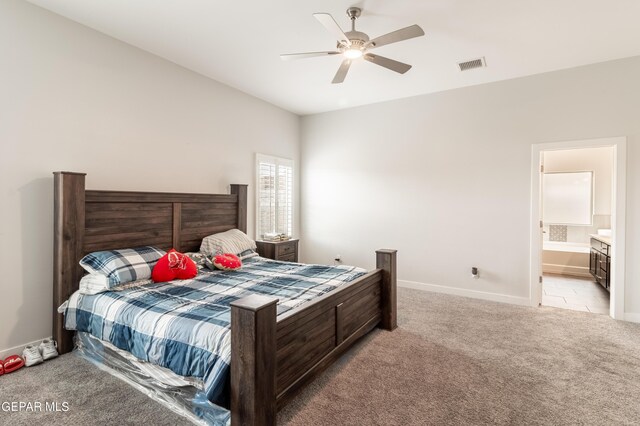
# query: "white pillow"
{"points": [[98, 283], [233, 241]]}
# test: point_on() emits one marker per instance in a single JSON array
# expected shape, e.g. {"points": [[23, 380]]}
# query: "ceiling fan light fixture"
{"points": [[352, 53], [352, 45]]}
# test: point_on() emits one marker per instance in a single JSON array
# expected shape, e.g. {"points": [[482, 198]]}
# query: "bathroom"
{"points": [[576, 209]]}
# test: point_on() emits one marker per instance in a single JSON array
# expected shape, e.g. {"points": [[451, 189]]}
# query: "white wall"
{"points": [[445, 178], [73, 99]]}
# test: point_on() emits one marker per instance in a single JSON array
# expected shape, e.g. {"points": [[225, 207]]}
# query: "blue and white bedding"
{"points": [[185, 325]]}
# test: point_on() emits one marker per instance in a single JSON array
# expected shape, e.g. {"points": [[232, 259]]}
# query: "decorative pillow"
{"points": [[247, 254], [198, 258], [209, 264], [174, 266], [122, 266], [233, 241], [227, 262], [98, 283]]}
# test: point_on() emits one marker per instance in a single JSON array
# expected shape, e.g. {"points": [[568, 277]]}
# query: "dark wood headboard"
{"points": [[87, 221]]}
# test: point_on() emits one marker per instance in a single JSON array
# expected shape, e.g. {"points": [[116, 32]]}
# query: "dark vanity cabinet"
{"points": [[600, 262]]}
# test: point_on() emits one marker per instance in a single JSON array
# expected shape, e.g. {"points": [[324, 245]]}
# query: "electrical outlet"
{"points": [[475, 273]]}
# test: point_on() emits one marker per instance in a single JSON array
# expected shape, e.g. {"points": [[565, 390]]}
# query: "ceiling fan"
{"points": [[355, 44]]}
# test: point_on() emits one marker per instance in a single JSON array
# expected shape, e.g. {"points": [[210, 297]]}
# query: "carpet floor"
{"points": [[92, 397], [459, 361], [452, 361]]}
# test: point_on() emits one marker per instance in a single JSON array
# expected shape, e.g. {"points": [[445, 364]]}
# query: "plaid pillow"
{"points": [[122, 266], [198, 258]]}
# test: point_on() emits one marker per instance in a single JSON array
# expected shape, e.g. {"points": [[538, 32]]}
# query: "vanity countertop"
{"points": [[606, 240]]}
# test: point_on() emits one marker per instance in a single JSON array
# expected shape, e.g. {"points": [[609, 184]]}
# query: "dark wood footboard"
{"points": [[276, 357]]}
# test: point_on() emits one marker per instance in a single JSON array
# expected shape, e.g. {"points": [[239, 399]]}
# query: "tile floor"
{"points": [[578, 294]]}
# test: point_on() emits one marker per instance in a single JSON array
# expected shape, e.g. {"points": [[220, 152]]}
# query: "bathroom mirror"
{"points": [[567, 198]]}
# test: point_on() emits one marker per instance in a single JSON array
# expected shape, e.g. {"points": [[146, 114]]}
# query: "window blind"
{"points": [[274, 195]]}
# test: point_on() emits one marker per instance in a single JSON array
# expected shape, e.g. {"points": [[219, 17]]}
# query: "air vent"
{"points": [[474, 63]]}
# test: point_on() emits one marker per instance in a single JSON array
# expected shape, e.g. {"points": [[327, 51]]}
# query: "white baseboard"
{"points": [[575, 271], [17, 350], [495, 297], [475, 294], [632, 317]]}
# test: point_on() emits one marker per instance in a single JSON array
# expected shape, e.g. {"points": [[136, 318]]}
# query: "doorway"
{"points": [[578, 222]]}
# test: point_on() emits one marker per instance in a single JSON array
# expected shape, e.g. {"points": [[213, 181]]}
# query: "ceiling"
{"points": [[239, 43]]}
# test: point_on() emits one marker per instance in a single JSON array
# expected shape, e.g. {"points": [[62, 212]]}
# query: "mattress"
{"points": [[184, 326]]}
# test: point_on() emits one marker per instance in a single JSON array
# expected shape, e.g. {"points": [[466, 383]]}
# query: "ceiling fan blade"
{"points": [[396, 36], [396, 66], [290, 56], [342, 72], [332, 26]]}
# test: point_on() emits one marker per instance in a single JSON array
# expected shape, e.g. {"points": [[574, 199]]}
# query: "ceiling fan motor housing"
{"points": [[358, 40], [357, 36]]}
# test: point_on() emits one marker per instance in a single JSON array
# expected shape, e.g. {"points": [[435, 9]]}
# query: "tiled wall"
{"points": [[576, 234], [557, 232]]}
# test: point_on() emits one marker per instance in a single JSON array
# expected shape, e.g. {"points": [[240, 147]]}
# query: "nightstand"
{"points": [[286, 251]]}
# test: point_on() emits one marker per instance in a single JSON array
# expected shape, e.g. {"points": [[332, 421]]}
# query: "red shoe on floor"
{"points": [[13, 363], [1, 367]]}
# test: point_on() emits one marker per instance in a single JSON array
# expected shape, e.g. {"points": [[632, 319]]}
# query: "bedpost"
{"points": [[386, 260], [68, 241], [241, 191], [253, 361]]}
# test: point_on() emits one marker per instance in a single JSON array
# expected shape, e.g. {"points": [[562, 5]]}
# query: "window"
{"points": [[567, 198], [274, 195]]}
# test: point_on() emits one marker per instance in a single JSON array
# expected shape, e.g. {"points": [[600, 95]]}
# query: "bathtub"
{"points": [[566, 258]]}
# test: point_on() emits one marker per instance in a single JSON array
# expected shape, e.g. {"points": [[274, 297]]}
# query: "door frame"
{"points": [[618, 217]]}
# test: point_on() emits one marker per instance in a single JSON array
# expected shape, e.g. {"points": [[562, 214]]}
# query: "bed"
{"points": [[275, 348]]}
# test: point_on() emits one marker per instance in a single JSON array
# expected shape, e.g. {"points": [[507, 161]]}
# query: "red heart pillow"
{"points": [[174, 266], [227, 262]]}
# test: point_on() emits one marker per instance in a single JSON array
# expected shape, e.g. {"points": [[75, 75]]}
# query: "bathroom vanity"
{"points": [[600, 260]]}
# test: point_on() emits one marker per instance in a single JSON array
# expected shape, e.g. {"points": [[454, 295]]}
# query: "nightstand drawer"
{"points": [[288, 258], [284, 249], [279, 250]]}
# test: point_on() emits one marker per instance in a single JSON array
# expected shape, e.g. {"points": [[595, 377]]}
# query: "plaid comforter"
{"points": [[185, 325]]}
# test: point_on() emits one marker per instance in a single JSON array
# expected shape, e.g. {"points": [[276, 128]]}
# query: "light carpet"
{"points": [[459, 361], [452, 361], [92, 397]]}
